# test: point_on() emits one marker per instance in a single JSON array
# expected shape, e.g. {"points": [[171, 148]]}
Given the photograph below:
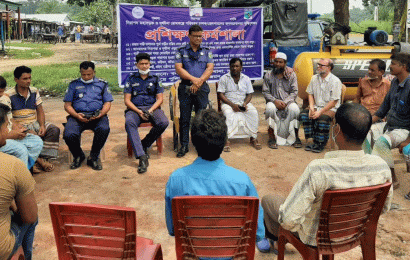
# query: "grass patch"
{"points": [[36, 51], [54, 79]]}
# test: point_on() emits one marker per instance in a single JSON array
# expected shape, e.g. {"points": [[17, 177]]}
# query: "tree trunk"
{"points": [[400, 14], [341, 12], [207, 3]]}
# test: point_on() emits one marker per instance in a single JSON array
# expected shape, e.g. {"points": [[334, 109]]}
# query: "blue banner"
{"points": [[160, 31]]}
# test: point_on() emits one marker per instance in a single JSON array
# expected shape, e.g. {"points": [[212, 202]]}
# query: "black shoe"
{"points": [[94, 164], [317, 148], [145, 151], [182, 151], [77, 162], [143, 165], [309, 147]]}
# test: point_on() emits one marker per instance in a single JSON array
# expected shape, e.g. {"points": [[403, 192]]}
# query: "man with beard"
{"points": [[324, 91], [235, 90], [280, 89]]}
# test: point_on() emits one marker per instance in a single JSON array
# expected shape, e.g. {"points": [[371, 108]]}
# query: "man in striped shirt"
{"points": [[349, 167]]}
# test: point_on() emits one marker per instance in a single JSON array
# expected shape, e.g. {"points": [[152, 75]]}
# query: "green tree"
{"points": [[50, 7], [97, 13]]}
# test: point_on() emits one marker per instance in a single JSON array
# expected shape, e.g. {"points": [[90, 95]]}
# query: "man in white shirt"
{"points": [[349, 167], [324, 92], [235, 91]]}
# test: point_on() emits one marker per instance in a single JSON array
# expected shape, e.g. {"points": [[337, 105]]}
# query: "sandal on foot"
{"points": [[255, 144], [47, 166], [36, 169], [297, 144], [227, 149], [272, 144]]}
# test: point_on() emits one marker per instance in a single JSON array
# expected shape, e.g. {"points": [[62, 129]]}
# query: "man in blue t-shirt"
{"points": [[143, 96], [208, 174]]}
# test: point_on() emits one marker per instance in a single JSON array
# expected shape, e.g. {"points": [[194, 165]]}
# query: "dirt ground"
{"points": [[272, 171]]}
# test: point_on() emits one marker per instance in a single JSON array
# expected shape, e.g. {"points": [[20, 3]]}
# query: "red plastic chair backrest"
{"points": [[215, 226], [347, 214], [90, 231]]}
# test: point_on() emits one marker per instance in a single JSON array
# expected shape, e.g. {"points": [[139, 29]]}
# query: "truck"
{"points": [[291, 30]]}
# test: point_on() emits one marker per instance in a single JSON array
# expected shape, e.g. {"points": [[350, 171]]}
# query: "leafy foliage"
{"points": [[363, 25], [98, 13]]}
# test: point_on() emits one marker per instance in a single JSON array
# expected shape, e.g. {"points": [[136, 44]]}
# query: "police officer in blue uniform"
{"points": [[143, 96], [87, 101], [194, 64]]}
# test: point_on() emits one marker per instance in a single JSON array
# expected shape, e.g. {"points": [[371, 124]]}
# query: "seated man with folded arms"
{"points": [[396, 109], [208, 174], [87, 102], [235, 91], [20, 143], [349, 167], [143, 96], [18, 207], [27, 109], [371, 92], [280, 89]]}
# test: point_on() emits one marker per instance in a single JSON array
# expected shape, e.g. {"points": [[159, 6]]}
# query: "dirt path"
{"points": [[68, 52], [119, 184]]}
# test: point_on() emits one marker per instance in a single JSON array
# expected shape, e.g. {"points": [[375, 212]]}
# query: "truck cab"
{"points": [[315, 33]]}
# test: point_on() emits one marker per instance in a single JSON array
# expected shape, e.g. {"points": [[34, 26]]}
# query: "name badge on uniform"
{"points": [[186, 56], [135, 84], [81, 95], [79, 87]]}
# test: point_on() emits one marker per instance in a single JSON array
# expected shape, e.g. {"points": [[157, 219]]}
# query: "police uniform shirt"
{"points": [[88, 97], [143, 92], [194, 62]]}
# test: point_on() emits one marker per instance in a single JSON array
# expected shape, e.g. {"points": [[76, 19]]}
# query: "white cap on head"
{"points": [[281, 55]]}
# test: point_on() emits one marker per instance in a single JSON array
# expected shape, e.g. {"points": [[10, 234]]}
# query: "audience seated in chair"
{"points": [[208, 174], [18, 205], [396, 109], [235, 91], [280, 89], [23, 145], [318, 117], [349, 167], [27, 109], [143, 96], [87, 102]]}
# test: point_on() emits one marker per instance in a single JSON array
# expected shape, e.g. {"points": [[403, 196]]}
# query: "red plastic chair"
{"points": [[215, 226], [18, 255], [89, 231], [159, 141], [348, 218]]}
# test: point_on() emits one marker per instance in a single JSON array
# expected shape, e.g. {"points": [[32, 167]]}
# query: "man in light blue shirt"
{"points": [[208, 174]]}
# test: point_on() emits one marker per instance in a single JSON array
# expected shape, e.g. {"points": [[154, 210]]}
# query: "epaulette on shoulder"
{"points": [[102, 80], [74, 80]]}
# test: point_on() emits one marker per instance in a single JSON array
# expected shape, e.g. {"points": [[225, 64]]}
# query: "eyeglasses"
{"points": [[322, 65], [195, 36]]}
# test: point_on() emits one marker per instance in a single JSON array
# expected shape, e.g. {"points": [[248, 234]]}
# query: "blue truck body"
{"points": [[315, 33]]}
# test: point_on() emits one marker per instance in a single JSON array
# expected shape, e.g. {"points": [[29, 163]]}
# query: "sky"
{"points": [[326, 6]]}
